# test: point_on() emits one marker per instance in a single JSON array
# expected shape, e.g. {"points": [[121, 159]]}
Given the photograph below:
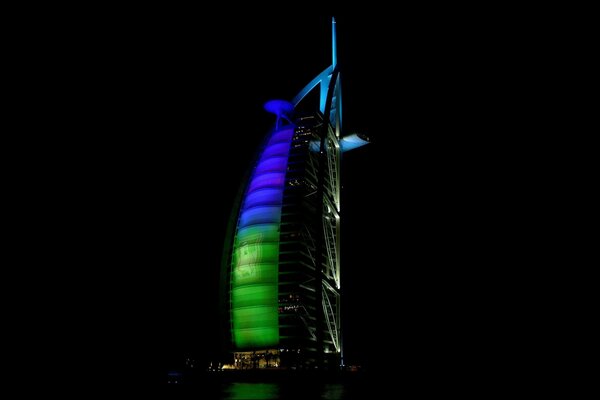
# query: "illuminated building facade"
{"points": [[281, 264]]}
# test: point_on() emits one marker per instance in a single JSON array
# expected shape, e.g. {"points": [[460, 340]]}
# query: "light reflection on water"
{"points": [[266, 391], [239, 391]]}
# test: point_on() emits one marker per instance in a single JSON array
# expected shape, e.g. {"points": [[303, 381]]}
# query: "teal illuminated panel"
{"points": [[255, 259], [259, 233]]}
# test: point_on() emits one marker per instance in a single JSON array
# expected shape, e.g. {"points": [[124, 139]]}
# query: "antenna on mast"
{"points": [[333, 43]]}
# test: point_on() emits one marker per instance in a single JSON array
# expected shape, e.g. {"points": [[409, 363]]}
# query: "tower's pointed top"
{"points": [[333, 43]]}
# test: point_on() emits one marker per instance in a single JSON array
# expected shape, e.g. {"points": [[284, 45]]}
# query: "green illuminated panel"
{"points": [[255, 258], [253, 296], [251, 316], [251, 274], [258, 337], [255, 253]]}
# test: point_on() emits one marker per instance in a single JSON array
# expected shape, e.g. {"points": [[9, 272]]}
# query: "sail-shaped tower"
{"points": [[281, 263]]}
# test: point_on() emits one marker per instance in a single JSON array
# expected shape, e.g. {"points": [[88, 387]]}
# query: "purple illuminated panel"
{"points": [[264, 197], [273, 164], [272, 180], [274, 150], [255, 260], [281, 137], [260, 215]]}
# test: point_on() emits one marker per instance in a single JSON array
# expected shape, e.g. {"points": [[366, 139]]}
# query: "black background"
{"points": [[165, 114]]}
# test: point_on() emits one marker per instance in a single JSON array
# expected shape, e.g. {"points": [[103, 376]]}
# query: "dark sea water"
{"points": [[255, 390], [306, 388], [419, 383], [271, 390]]}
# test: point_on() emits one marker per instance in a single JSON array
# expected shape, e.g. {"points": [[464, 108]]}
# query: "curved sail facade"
{"points": [[282, 264], [255, 257]]}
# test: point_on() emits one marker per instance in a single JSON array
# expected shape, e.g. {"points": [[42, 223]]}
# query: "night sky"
{"points": [[181, 118], [209, 134]]}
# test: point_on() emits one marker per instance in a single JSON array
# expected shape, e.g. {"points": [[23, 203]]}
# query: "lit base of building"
{"points": [[260, 359], [280, 359]]}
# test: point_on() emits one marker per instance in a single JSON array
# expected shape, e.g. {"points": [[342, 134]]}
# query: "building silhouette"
{"points": [[280, 274]]}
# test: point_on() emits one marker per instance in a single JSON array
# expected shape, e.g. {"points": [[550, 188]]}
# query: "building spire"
{"points": [[333, 43]]}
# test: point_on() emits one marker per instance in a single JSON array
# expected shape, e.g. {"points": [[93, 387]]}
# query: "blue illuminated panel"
{"points": [[254, 278]]}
